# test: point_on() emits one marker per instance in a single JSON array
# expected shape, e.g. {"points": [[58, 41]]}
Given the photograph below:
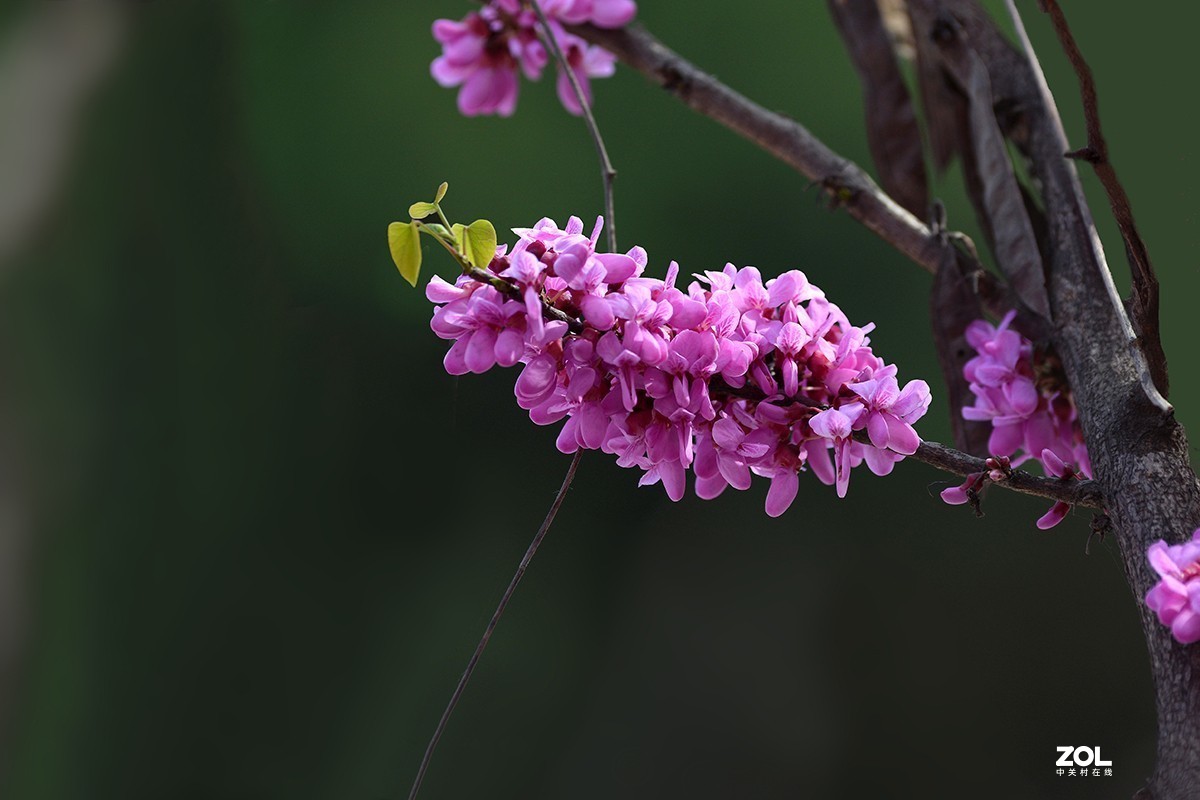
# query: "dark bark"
{"points": [[1137, 447]]}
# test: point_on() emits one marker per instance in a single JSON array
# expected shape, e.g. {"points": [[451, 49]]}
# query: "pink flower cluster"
{"points": [[1176, 596], [1030, 419], [729, 377], [484, 52]]}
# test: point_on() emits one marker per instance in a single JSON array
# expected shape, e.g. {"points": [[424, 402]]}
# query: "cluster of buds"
{"points": [[729, 377], [484, 52]]}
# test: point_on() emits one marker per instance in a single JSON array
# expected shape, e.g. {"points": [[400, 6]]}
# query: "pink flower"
{"points": [[785, 483], [487, 329], [737, 448], [602, 13], [1056, 468], [836, 425], [586, 61], [889, 410], [476, 56], [671, 379], [1030, 421], [484, 52], [1176, 596], [958, 495]]}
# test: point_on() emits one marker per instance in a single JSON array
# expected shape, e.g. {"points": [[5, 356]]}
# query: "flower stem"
{"points": [[607, 172]]}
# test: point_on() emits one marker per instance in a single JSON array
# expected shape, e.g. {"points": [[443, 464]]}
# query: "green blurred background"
{"points": [[258, 529]]}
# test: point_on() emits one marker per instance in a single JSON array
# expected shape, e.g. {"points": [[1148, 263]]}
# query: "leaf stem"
{"points": [[438, 208]]}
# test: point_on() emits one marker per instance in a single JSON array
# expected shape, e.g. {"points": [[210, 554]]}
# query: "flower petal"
{"points": [[784, 485]]}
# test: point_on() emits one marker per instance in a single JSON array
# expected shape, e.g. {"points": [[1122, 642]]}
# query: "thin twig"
{"points": [[1145, 282], [607, 173], [491, 626], [507, 288], [1076, 492]]}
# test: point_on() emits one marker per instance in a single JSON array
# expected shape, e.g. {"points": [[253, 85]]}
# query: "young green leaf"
{"points": [[421, 210], [460, 237], [480, 243], [441, 192], [434, 228], [405, 243]]}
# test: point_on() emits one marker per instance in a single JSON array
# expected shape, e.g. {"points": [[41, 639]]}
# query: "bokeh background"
{"points": [[251, 530]]}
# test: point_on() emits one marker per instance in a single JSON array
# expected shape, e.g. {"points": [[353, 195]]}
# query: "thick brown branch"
{"points": [[1145, 282], [846, 183]]}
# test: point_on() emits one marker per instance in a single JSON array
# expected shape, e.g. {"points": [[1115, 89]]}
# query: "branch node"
{"points": [[840, 193], [1087, 153], [672, 78], [1101, 524]]}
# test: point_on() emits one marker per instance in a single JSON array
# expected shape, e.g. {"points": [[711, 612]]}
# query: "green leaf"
{"points": [[421, 210], [441, 192], [480, 241], [460, 236], [405, 243], [434, 228]]}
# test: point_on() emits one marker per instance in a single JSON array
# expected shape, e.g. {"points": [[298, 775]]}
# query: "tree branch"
{"points": [[1145, 282], [1076, 492], [846, 183]]}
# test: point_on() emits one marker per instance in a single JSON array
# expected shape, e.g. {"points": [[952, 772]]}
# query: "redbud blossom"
{"points": [[1030, 420], [484, 52], [1176, 596], [729, 377]]}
